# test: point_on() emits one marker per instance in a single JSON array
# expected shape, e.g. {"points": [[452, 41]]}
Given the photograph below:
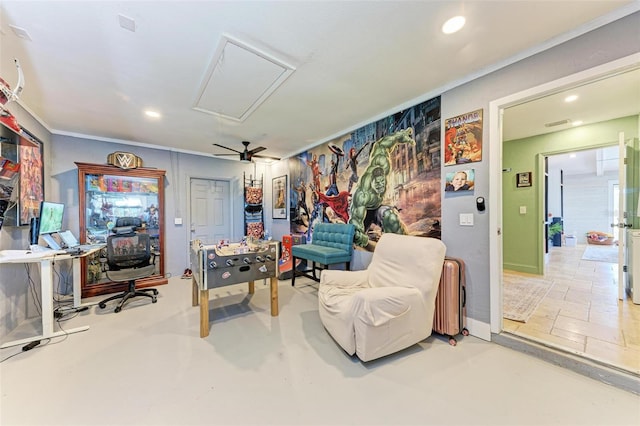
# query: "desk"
{"points": [[215, 267], [46, 260]]}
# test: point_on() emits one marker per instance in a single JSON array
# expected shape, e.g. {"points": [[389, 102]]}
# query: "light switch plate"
{"points": [[466, 219]]}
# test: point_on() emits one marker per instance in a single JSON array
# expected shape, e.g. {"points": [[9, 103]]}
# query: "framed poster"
{"points": [[463, 138], [523, 179], [31, 191], [279, 191]]}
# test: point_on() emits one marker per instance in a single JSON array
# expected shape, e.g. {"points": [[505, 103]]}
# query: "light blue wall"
{"points": [[613, 41]]}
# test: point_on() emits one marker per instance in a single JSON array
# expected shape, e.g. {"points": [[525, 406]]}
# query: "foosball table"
{"points": [[226, 264]]}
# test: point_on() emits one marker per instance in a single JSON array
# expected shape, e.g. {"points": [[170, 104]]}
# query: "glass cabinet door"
{"points": [[107, 194]]}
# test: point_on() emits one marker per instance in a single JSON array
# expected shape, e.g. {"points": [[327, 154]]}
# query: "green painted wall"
{"points": [[523, 233]]}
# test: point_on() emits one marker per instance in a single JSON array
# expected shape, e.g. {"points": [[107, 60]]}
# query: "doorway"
{"points": [[211, 212], [496, 240], [581, 313]]}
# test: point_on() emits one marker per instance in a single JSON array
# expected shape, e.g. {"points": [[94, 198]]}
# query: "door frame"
{"points": [[232, 183], [496, 109]]}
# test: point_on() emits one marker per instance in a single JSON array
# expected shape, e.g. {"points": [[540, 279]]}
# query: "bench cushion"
{"points": [[320, 254], [331, 243]]}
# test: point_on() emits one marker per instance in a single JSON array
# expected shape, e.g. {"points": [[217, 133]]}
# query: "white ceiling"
{"points": [[605, 99], [352, 61]]}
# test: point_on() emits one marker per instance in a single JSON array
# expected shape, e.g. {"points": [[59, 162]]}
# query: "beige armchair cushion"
{"points": [[390, 305]]}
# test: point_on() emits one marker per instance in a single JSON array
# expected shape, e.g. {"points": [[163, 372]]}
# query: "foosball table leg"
{"points": [[204, 313]]}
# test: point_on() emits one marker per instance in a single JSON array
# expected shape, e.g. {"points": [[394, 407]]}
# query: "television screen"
{"points": [[50, 217]]}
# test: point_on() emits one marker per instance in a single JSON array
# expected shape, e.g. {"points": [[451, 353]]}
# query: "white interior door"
{"points": [[622, 216], [210, 210]]}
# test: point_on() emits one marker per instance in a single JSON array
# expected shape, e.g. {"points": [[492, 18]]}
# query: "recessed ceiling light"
{"points": [[576, 122], [453, 25], [152, 114], [571, 98], [572, 155]]}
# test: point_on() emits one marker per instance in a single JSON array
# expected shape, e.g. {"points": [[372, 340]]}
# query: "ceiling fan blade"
{"points": [[225, 147], [267, 156], [256, 150]]}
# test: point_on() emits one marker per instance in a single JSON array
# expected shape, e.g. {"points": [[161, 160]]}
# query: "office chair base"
{"points": [[132, 292]]}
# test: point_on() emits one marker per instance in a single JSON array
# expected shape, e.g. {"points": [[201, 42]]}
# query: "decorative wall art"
{"points": [[279, 191], [523, 179], [463, 138], [383, 177], [462, 180], [31, 178]]}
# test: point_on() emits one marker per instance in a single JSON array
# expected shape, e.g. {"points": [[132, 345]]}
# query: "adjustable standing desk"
{"points": [[46, 260]]}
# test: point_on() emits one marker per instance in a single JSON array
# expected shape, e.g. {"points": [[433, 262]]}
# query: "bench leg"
{"points": [[293, 272]]}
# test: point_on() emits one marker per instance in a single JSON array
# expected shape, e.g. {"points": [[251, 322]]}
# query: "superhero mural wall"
{"points": [[383, 177]]}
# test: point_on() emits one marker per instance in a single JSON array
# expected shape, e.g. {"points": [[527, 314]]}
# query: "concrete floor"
{"points": [[147, 365]]}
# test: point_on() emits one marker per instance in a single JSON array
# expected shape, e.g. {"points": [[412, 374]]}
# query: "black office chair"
{"points": [[129, 258]]}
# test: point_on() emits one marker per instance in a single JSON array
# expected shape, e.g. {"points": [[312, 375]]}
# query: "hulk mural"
{"points": [[367, 206], [383, 177]]}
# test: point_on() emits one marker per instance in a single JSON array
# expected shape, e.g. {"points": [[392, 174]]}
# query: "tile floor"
{"points": [[582, 313], [147, 365]]}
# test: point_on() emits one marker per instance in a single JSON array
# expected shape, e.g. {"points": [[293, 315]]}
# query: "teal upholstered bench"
{"points": [[331, 243]]}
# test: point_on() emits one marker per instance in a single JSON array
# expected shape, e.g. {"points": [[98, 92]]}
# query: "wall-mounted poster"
{"points": [[462, 180], [279, 191], [463, 138], [31, 179], [383, 177]]}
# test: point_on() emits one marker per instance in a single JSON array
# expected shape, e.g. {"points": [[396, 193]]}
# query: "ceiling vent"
{"points": [[557, 123], [239, 79]]}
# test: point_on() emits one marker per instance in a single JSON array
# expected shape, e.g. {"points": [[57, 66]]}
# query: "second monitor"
{"points": [[50, 222]]}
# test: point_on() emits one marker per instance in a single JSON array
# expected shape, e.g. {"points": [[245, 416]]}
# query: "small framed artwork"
{"points": [[462, 180], [523, 179], [279, 191]]}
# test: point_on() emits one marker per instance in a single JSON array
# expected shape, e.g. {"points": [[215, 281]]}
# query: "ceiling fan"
{"points": [[247, 154]]}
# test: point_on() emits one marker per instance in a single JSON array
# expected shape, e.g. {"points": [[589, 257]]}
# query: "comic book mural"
{"points": [[383, 177]]}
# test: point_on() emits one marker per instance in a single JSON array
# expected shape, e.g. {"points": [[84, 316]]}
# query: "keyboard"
{"points": [[83, 248], [89, 247]]}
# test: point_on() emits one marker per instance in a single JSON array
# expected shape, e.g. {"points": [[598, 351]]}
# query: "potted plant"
{"points": [[554, 228]]}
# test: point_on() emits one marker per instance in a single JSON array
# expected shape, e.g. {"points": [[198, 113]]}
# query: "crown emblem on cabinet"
{"points": [[124, 160]]}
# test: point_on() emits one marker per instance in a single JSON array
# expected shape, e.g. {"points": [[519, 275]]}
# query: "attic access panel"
{"points": [[239, 79]]}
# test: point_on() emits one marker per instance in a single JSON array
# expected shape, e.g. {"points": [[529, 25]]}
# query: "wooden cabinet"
{"points": [[106, 193]]}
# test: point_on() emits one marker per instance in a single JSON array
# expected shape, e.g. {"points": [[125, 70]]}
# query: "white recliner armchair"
{"points": [[390, 305]]}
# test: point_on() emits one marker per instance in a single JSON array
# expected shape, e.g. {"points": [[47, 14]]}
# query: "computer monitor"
{"points": [[50, 222], [51, 215]]}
